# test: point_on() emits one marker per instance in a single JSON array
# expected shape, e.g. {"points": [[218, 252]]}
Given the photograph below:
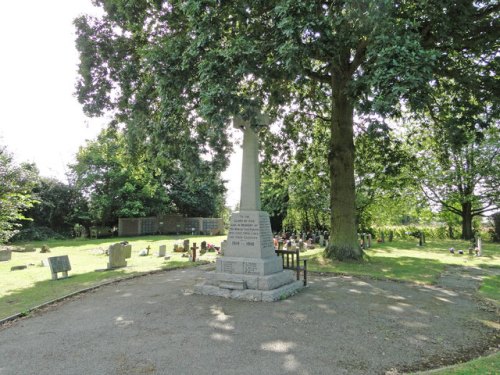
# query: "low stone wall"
{"points": [[169, 224]]}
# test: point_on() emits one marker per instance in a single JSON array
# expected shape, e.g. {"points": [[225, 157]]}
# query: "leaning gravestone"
{"points": [[5, 255], [250, 269], [117, 256], [59, 264]]}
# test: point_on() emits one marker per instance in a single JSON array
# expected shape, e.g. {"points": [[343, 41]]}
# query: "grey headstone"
{"points": [[321, 240], [128, 251], [59, 264], [18, 268], [186, 245], [116, 256], [5, 255], [301, 246], [223, 246]]}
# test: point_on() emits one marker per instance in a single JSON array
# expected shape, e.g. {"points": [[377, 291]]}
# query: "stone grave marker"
{"points": [[186, 245], [203, 248], [365, 241], [223, 246], [5, 255], [128, 251], [162, 251], [479, 247], [321, 240], [59, 264], [301, 246], [18, 268], [369, 240], [116, 256], [193, 251]]}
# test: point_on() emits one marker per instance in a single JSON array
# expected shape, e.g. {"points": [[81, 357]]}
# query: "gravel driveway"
{"points": [[337, 325]]}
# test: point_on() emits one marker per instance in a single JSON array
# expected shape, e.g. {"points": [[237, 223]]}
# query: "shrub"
{"points": [[36, 234]]}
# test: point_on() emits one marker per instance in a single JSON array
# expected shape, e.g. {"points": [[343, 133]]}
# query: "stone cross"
{"points": [[250, 175]]}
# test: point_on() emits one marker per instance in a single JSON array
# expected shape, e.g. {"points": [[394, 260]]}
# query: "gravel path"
{"points": [[338, 325]]}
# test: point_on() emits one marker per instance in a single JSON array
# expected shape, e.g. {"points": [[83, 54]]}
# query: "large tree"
{"points": [[178, 70], [113, 185], [16, 185]]}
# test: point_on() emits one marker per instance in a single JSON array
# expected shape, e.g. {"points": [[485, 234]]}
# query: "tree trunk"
{"points": [[343, 244], [467, 221]]}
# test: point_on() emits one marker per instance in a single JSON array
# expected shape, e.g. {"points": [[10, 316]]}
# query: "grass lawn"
{"points": [[404, 260], [398, 260], [485, 366], [22, 290]]}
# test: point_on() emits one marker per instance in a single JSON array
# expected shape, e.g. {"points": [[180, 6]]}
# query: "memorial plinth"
{"points": [[250, 269]]}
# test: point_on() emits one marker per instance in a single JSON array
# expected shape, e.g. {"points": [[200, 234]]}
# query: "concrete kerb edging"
{"points": [[81, 291]]}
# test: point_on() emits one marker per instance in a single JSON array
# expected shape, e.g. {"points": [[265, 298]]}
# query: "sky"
{"points": [[40, 119]]}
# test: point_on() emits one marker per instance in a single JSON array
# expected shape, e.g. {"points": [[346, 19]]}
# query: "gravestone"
{"points": [[45, 249], [59, 264], [369, 240], [421, 239], [301, 246], [18, 268], [5, 255], [223, 246], [365, 241], [162, 251], [203, 246], [321, 240], [193, 251], [479, 247], [186, 245], [250, 269], [127, 249], [116, 256], [178, 247]]}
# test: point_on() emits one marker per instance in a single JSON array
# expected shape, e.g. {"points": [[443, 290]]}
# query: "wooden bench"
{"points": [[291, 261]]}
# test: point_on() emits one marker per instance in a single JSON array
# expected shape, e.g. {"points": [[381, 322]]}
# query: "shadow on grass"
{"points": [[398, 268]]}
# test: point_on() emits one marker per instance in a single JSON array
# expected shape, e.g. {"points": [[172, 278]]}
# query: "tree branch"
{"points": [[358, 56], [318, 77]]}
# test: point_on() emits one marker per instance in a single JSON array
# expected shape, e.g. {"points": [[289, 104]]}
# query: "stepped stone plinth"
{"points": [[249, 268]]}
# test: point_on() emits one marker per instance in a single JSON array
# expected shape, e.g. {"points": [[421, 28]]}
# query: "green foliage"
{"points": [[114, 185], [174, 74], [59, 206], [495, 230], [36, 233], [16, 184]]}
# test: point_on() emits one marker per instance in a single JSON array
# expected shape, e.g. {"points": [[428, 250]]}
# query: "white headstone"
{"points": [[162, 250]]}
